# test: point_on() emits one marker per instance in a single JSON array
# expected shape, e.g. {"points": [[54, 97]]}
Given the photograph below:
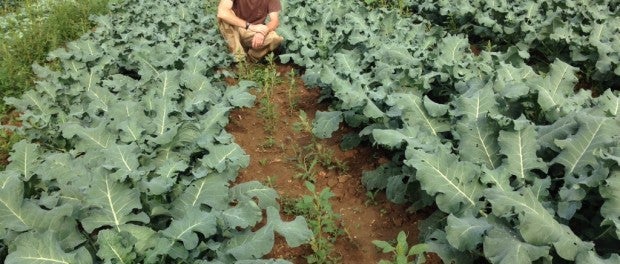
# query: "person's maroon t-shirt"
{"points": [[255, 11]]}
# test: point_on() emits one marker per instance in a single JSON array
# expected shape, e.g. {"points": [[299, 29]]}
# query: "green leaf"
{"points": [[130, 119], [418, 250], [166, 177], [435, 109], [478, 142], [578, 150], [377, 179], [537, 225], [611, 207], [251, 245], [511, 82], [414, 113], [452, 49], [142, 236], [476, 102], [591, 257], [239, 96], [43, 248], [554, 88], [123, 160], [113, 204], [497, 178], [211, 190], [115, 246], [243, 215], [438, 244], [252, 190], [325, 123], [195, 221], [384, 246], [295, 232], [100, 98], [23, 158], [503, 247], [202, 93], [520, 151], [560, 129], [609, 103], [393, 138], [98, 137], [466, 233], [453, 183], [11, 199], [215, 119], [221, 157]]}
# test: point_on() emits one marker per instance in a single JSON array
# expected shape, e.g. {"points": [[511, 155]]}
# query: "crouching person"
{"points": [[246, 29]]}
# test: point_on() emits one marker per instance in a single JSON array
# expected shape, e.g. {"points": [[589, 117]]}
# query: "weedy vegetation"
{"points": [[322, 220]]}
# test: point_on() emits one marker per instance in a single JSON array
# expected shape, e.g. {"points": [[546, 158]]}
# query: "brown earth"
{"points": [[275, 165]]}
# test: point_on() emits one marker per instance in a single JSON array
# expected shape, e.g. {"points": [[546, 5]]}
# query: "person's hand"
{"points": [[259, 28], [257, 40]]}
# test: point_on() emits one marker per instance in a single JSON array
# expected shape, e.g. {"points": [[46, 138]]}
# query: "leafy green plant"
{"points": [[322, 221], [402, 253], [480, 135], [125, 157]]}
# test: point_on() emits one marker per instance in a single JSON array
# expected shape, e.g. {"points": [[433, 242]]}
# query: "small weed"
{"points": [[268, 111], [314, 153], [271, 181], [270, 142], [304, 125], [322, 221], [293, 98], [306, 162], [402, 252], [383, 211], [266, 76], [371, 197], [263, 162], [327, 158]]}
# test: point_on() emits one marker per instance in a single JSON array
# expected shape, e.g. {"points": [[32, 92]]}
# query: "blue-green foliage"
{"points": [[126, 158], [522, 167], [584, 33]]}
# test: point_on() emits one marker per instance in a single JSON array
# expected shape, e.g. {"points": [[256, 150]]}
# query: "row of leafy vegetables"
{"points": [[522, 166], [126, 159]]}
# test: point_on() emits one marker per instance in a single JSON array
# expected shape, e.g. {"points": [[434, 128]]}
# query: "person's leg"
{"points": [[272, 41], [232, 37]]}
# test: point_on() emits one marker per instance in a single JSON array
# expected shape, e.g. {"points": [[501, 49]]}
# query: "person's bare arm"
{"points": [[225, 13], [274, 22]]}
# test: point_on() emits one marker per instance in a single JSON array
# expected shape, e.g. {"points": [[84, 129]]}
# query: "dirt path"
{"points": [[273, 162]]}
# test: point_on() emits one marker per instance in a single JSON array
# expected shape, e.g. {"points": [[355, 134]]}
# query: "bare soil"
{"points": [[275, 165]]}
